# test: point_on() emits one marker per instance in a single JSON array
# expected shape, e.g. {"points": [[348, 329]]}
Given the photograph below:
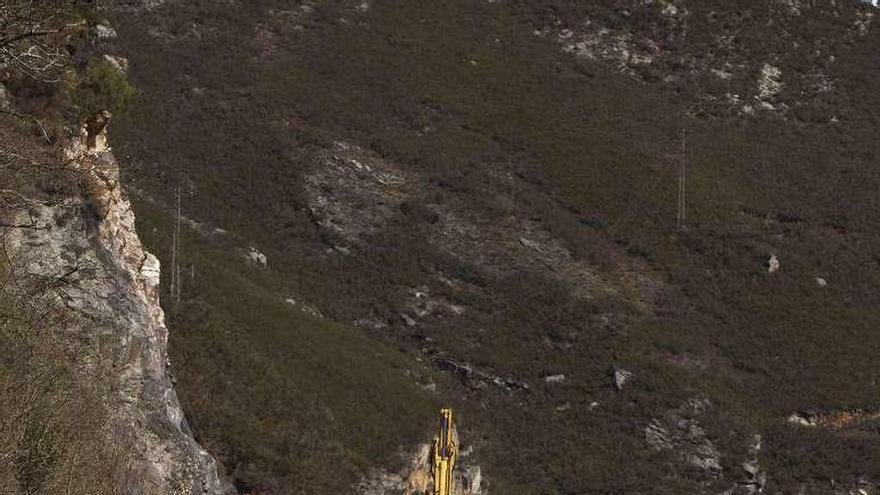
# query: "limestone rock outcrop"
{"points": [[111, 283]]}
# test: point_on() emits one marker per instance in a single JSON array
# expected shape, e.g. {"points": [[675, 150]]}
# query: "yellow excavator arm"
{"points": [[445, 451]]}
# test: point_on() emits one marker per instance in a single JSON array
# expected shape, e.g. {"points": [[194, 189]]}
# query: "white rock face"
{"points": [[408, 320], [795, 7], [670, 10], [4, 97], [620, 377], [770, 82], [554, 378], [617, 48], [472, 479], [354, 192], [863, 22], [821, 282], [755, 478], [800, 419], [255, 257], [118, 63], [151, 270], [104, 32], [680, 432], [773, 264], [112, 284]]}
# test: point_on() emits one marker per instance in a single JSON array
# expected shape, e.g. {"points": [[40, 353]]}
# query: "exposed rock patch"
{"points": [[256, 258], [720, 68], [681, 432], [5, 99], [620, 377], [477, 378], [769, 82], [773, 264], [353, 192], [833, 420], [118, 63], [755, 478], [554, 378], [103, 31]]}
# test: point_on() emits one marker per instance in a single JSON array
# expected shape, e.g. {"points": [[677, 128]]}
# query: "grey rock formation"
{"points": [[471, 480], [118, 63], [682, 433], [353, 192], [770, 82], [255, 257], [773, 264], [755, 478], [415, 477], [103, 31], [554, 378], [619, 377], [5, 102], [478, 378]]}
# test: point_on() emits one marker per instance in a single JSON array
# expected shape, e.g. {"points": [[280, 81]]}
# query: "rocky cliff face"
{"points": [[111, 291]]}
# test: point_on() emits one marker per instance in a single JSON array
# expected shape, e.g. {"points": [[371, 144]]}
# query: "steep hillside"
{"points": [[474, 203]]}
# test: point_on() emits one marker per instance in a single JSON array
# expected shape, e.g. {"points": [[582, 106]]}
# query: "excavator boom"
{"points": [[445, 452]]}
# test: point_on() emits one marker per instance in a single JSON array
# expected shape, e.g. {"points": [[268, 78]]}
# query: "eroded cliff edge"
{"points": [[81, 255]]}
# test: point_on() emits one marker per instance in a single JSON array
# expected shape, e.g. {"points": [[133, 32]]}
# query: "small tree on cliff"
{"points": [[100, 87]]}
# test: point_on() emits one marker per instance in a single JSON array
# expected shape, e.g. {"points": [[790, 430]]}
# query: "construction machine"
{"points": [[445, 451]]}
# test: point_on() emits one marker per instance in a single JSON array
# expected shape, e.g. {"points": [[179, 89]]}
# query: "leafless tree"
{"points": [[33, 35]]}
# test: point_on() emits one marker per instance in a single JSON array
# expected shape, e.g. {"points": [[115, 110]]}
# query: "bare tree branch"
{"points": [[32, 37]]}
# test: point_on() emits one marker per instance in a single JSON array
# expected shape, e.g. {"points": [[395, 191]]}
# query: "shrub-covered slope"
{"points": [[490, 187]]}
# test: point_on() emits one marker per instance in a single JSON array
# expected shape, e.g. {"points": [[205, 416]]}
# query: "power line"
{"points": [[681, 213]]}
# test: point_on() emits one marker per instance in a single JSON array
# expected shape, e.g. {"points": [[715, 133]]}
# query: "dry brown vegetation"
{"points": [[53, 425]]}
